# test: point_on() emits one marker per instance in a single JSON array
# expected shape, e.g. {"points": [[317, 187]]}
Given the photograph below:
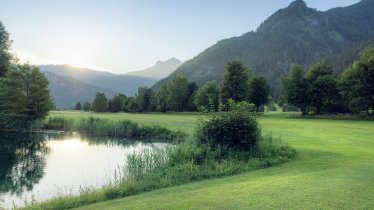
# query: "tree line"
{"points": [[179, 94], [319, 90]]}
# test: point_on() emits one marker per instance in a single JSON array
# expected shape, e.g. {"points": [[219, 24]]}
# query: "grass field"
{"points": [[334, 170]]}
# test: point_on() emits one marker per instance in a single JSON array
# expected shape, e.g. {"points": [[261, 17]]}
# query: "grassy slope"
{"points": [[335, 170]]}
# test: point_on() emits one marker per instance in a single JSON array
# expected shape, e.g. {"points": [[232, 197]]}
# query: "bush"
{"points": [[230, 131]]}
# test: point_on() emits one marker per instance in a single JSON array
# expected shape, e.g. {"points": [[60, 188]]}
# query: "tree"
{"points": [[191, 92], [258, 91], [207, 98], [162, 99], [235, 82], [145, 99], [295, 87], [322, 86], [78, 106], [117, 103], [24, 96], [86, 106], [100, 103], [178, 93], [132, 105], [5, 45], [357, 83]]}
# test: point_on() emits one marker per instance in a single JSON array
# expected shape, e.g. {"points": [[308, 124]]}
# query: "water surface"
{"points": [[42, 166]]}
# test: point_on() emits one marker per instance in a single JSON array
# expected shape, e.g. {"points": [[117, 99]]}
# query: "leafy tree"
{"points": [[207, 98], [358, 83], [86, 106], [132, 105], [258, 91], [162, 99], [5, 56], [78, 106], [295, 87], [178, 93], [24, 96], [100, 103], [117, 103], [322, 86], [235, 82], [192, 89], [145, 99]]}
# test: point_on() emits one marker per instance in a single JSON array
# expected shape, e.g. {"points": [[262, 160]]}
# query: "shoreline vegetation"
{"points": [[191, 159]]}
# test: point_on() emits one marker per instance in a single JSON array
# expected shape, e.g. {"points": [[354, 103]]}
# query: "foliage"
{"points": [[78, 106], [117, 103], [318, 89], [235, 82], [191, 93], [24, 97], [178, 93], [322, 90], [5, 55], [271, 106], [296, 89], [162, 99], [145, 99], [234, 130], [258, 91], [357, 83], [207, 98], [131, 105], [100, 103], [86, 106]]}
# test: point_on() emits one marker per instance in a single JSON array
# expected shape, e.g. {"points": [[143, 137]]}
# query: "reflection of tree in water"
{"points": [[22, 161]]}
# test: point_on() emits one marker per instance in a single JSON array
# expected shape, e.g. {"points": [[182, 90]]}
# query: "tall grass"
{"points": [[120, 129]]}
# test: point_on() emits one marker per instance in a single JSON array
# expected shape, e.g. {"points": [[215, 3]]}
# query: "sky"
{"points": [[128, 35]]}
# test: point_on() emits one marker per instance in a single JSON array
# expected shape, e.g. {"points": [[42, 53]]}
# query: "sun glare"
{"points": [[68, 145]]}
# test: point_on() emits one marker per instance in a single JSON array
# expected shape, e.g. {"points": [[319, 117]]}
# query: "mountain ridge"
{"points": [[160, 70], [118, 83], [67, 91], [295, 34]]}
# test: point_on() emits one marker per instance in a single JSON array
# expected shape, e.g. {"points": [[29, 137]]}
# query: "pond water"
{"points": [[42, 166]]}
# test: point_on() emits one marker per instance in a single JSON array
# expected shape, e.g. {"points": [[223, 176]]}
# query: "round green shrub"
{"points": [[231, 130]]}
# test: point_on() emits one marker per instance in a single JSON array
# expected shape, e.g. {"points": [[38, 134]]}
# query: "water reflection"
{"points": [[22, 161], [43, 166]]}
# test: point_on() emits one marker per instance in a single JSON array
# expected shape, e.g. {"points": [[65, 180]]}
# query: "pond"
{"points": [[37, 167]]}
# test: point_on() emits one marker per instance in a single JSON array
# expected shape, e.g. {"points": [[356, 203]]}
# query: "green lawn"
{"points": [[334, 170]]}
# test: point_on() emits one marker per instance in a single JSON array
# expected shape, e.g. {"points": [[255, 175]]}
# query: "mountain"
{"points": [[160, 70], [67, 91], [295, 34], [117, 83]]}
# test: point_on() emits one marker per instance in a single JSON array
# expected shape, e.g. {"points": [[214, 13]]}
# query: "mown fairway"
{"points": [[334, 170]]}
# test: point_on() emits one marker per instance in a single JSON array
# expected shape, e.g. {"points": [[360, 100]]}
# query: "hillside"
{"points": [[296, 34], [67, 91], [160, 70], [116, 83]]}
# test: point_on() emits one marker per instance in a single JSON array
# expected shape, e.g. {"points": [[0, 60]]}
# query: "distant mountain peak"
{"points": [[298, 4], [160, 70]]}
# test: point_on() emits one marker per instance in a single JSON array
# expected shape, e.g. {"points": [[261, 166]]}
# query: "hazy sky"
{"points": [[121, 36]]}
